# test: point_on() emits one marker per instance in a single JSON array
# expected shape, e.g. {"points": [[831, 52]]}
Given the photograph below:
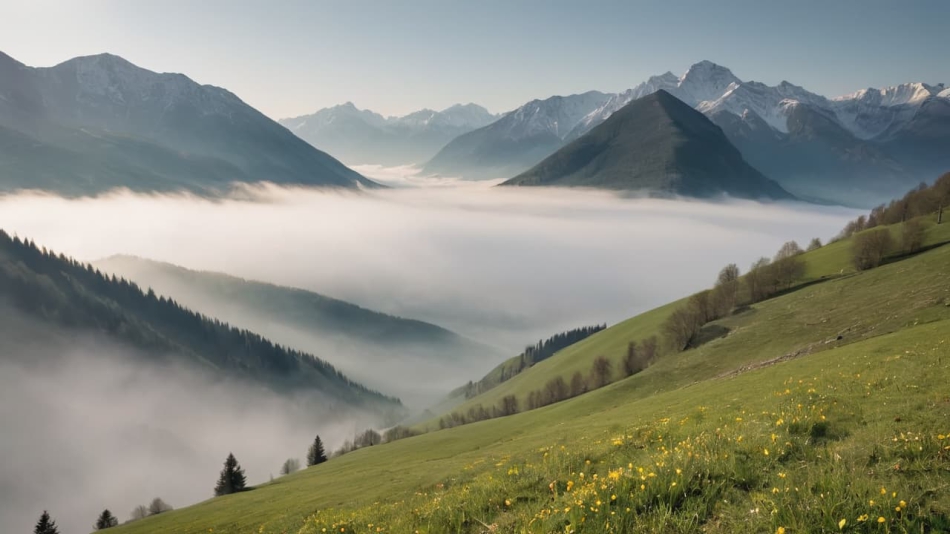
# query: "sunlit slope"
{"points": [[878, 401], [853, 416], [774, 327]]}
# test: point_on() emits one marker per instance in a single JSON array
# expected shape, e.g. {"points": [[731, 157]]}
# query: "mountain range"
{"points": [[412, 359], [657, 144], [857, 149], [360, 137], [96, 123]]}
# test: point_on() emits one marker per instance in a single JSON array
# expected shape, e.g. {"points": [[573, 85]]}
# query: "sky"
{"points": [[293, 57]]}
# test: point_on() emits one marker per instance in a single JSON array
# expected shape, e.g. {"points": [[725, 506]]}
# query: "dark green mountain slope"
{"points": [[413, 359], [656, 144], [63, 294]]}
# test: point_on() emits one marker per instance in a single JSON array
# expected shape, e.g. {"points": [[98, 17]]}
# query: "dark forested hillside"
{"points": [[532, 355], [65, 294]]}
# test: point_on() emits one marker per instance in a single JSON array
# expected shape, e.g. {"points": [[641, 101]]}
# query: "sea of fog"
{"points": [[502, 266]]}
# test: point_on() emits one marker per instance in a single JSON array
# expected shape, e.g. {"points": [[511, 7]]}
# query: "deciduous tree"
{"points": [[870, 248]]}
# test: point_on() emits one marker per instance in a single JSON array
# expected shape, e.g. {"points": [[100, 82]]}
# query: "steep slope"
{"points": [[702, 442], [64, 295], [364, 137], [845, 300], [517, 141], [656, 144], [374, 348], [96, 123], [815, 157]]}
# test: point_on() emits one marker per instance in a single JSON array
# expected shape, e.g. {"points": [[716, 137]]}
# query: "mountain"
{"points": [[364, 137], [66, 297], [96, 123], [383, 351], [657, 144], [517, 141], [859, 149]]}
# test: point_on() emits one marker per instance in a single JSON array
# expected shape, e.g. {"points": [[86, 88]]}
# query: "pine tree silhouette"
{"points": [[106, 520], [232, 479], [45, 525], [316, 454]]}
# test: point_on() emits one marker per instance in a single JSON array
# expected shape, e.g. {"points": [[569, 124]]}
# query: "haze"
{"points": [[502, 266], [90, 425]]}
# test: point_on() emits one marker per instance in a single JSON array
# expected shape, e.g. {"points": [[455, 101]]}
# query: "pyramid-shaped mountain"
{"points": [[655, 144]]}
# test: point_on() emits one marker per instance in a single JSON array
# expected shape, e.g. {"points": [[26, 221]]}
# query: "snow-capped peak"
{"points": [[898, 95], [870, 112], [704, 81]]}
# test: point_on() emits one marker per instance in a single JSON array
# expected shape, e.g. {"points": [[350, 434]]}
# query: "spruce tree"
{"points": [[106, 520], [45, 525], [232, 479], [316, 454]]}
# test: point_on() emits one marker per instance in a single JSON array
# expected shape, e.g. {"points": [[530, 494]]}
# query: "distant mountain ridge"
{"points": [[364, 137], [64, 296], [517, 141], [96, 123], [375, 348], [861, 148], [655, 144]]}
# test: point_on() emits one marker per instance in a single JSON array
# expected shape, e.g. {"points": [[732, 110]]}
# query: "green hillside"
{"points": [[828, 262], [780, 426]]}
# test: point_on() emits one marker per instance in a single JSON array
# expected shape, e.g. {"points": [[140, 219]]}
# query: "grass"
{"points": [[826, 264], [726, 443]]}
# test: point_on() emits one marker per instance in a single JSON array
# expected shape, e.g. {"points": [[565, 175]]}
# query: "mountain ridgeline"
{"points": [[859, 149], [358, 136], [372, 347], [532, 355], [655, 144], [516, 141], [92, 124], [69, 297]]}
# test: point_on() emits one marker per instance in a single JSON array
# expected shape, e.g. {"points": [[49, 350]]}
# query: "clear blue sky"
{"points": [[394, 56]]}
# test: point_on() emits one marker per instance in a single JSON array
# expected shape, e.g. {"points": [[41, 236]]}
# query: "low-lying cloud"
{"points": [[502, 265], [88, 425]]}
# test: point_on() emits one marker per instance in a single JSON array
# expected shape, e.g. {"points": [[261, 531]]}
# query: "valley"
{"points": [[474, 267]]}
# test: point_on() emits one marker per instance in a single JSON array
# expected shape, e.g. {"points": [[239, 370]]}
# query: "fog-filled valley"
{"points": [[91, 424], [502, 267]]}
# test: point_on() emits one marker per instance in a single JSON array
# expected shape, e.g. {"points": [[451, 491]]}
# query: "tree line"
{"points": [[531, 355], [873, 242]]}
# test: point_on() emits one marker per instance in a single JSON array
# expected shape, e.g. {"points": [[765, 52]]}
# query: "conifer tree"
{"points": [[45, 525], [316, 454], [232, 479], [106, 520]]}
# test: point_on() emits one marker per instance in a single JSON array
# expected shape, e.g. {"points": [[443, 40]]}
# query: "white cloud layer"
{"points": [[504, 266]]}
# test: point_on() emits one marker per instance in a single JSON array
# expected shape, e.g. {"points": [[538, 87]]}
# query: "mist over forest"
{"points": [[99, 426], [503, 267]]}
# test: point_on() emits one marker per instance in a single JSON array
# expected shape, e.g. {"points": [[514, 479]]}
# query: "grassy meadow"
{"points": [[825, 409]]}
